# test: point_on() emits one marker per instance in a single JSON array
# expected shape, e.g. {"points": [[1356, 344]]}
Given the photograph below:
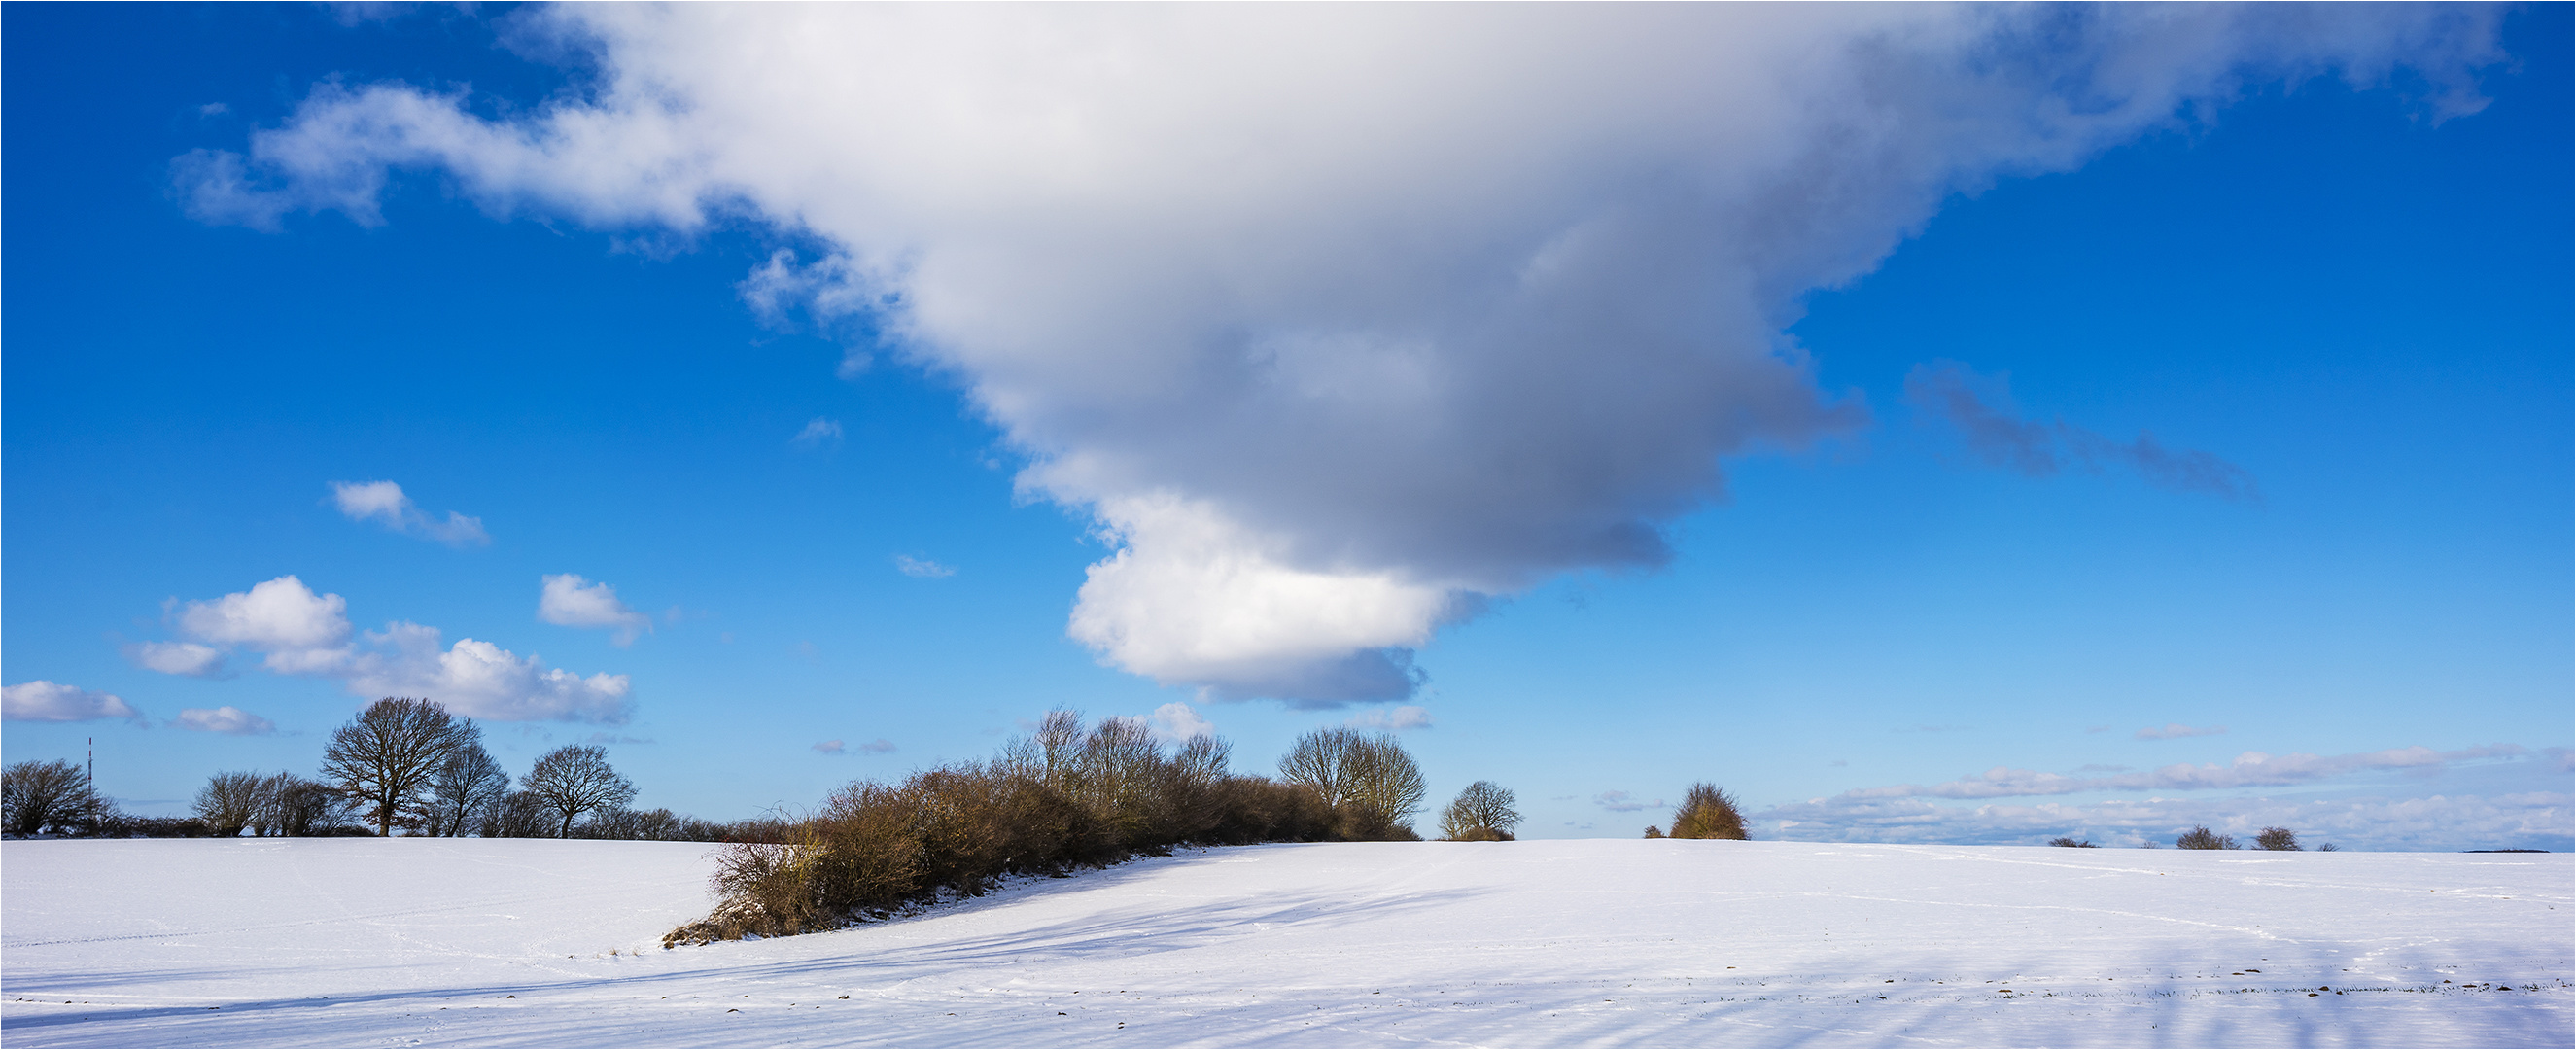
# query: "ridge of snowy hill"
{"points": [[348, 942]]}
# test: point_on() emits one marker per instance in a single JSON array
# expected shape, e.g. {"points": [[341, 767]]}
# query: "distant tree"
{"points": [[1369, 781], [2328, 848], [230, 802], [385, 757], [2203, 838], [576, 779], [466, 783], [1481, 813], [2277, 839], [1654, 832], [1708, 813], [2076, 843], [35, 795], [517, 815], [295, 807]]}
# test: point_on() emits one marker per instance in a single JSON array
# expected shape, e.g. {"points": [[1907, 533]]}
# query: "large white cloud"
{"points": [[1338, 318], [43, 701], [282, 618]]}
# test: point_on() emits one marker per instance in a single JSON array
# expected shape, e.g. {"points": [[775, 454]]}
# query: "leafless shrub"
{"points": [[1367, 779], [1708, 813], [2203, 838], [516, 815], [40, 795], [2277, 839], [2071, 842], [1654, 832], [230, 802]]}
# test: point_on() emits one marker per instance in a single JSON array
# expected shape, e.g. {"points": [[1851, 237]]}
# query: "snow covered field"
{"points": [[1603, 942]]}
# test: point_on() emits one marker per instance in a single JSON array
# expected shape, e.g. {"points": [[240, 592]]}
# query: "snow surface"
{"points": [[353, 942]]}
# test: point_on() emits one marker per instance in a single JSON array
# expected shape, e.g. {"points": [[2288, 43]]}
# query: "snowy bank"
{"points": [[1602, 942]]}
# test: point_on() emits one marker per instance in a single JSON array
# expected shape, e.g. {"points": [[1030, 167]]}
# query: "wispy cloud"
{"points": [[923, 568], [2438, 822], [383, 502], [878, 746], [1980, 408], [1623, 802], [180, 658], [1396, 719], [817, 433], [232, 721], [2251, 769], [2177, 731]]}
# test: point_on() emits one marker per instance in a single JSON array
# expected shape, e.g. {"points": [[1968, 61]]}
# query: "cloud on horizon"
{"points": [[383, 502], [2436, 822], [1330, 359], [2178, 731], [2251, 769]]}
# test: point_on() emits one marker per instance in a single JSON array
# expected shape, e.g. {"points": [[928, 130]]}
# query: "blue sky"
{"points": [[845, 431]]}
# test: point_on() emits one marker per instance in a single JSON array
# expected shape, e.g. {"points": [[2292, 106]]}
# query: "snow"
{"points": [[352, 942]]}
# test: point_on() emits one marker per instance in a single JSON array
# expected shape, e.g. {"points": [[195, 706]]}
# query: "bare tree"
{"points": [[230, 802], [1366, 776], [2202, 838], [1708, 812], [2277, 839], [38, 795], [516, 815], [294, 807], [576, 779], [464, 785], [385, 757], [1481, 813]]}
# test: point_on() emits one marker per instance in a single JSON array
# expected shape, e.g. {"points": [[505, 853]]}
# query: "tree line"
{"points": [[402, 764]]}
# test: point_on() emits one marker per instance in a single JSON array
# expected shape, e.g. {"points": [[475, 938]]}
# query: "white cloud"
{"points": [[301, 632], [817, 432], [1337, 318], [2178, 731], [229, 720], [180, 658], [43, 701], [1401, 718], [480, 679], [570, 601], [830, 747], [923, 568], [1178, 721], [384, 502], [878, 746]]}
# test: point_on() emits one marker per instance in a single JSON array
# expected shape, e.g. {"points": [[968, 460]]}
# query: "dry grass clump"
{"points": [[1064, 797], [1708, 813]]}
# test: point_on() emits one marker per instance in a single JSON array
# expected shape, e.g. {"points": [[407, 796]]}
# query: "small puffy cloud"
{"points": [[1623, 802], [180, 658], [383, 502], [830, 747], [1179, 721], [1980, 408], [228, 720], [43, 701], [1402, 718], [923, 568], [2177, 731], [570, 601], [817, 433], [299, 630]]}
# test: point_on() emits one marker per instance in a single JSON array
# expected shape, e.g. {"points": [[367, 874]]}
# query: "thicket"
{"points": [[1061, 798], [1481, 813], [2073, 843], [1707, 812], [2203, 838]]}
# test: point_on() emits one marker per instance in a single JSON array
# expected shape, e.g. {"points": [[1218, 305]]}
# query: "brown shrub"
{"points": [[2203, 838], [1708, 813]]}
